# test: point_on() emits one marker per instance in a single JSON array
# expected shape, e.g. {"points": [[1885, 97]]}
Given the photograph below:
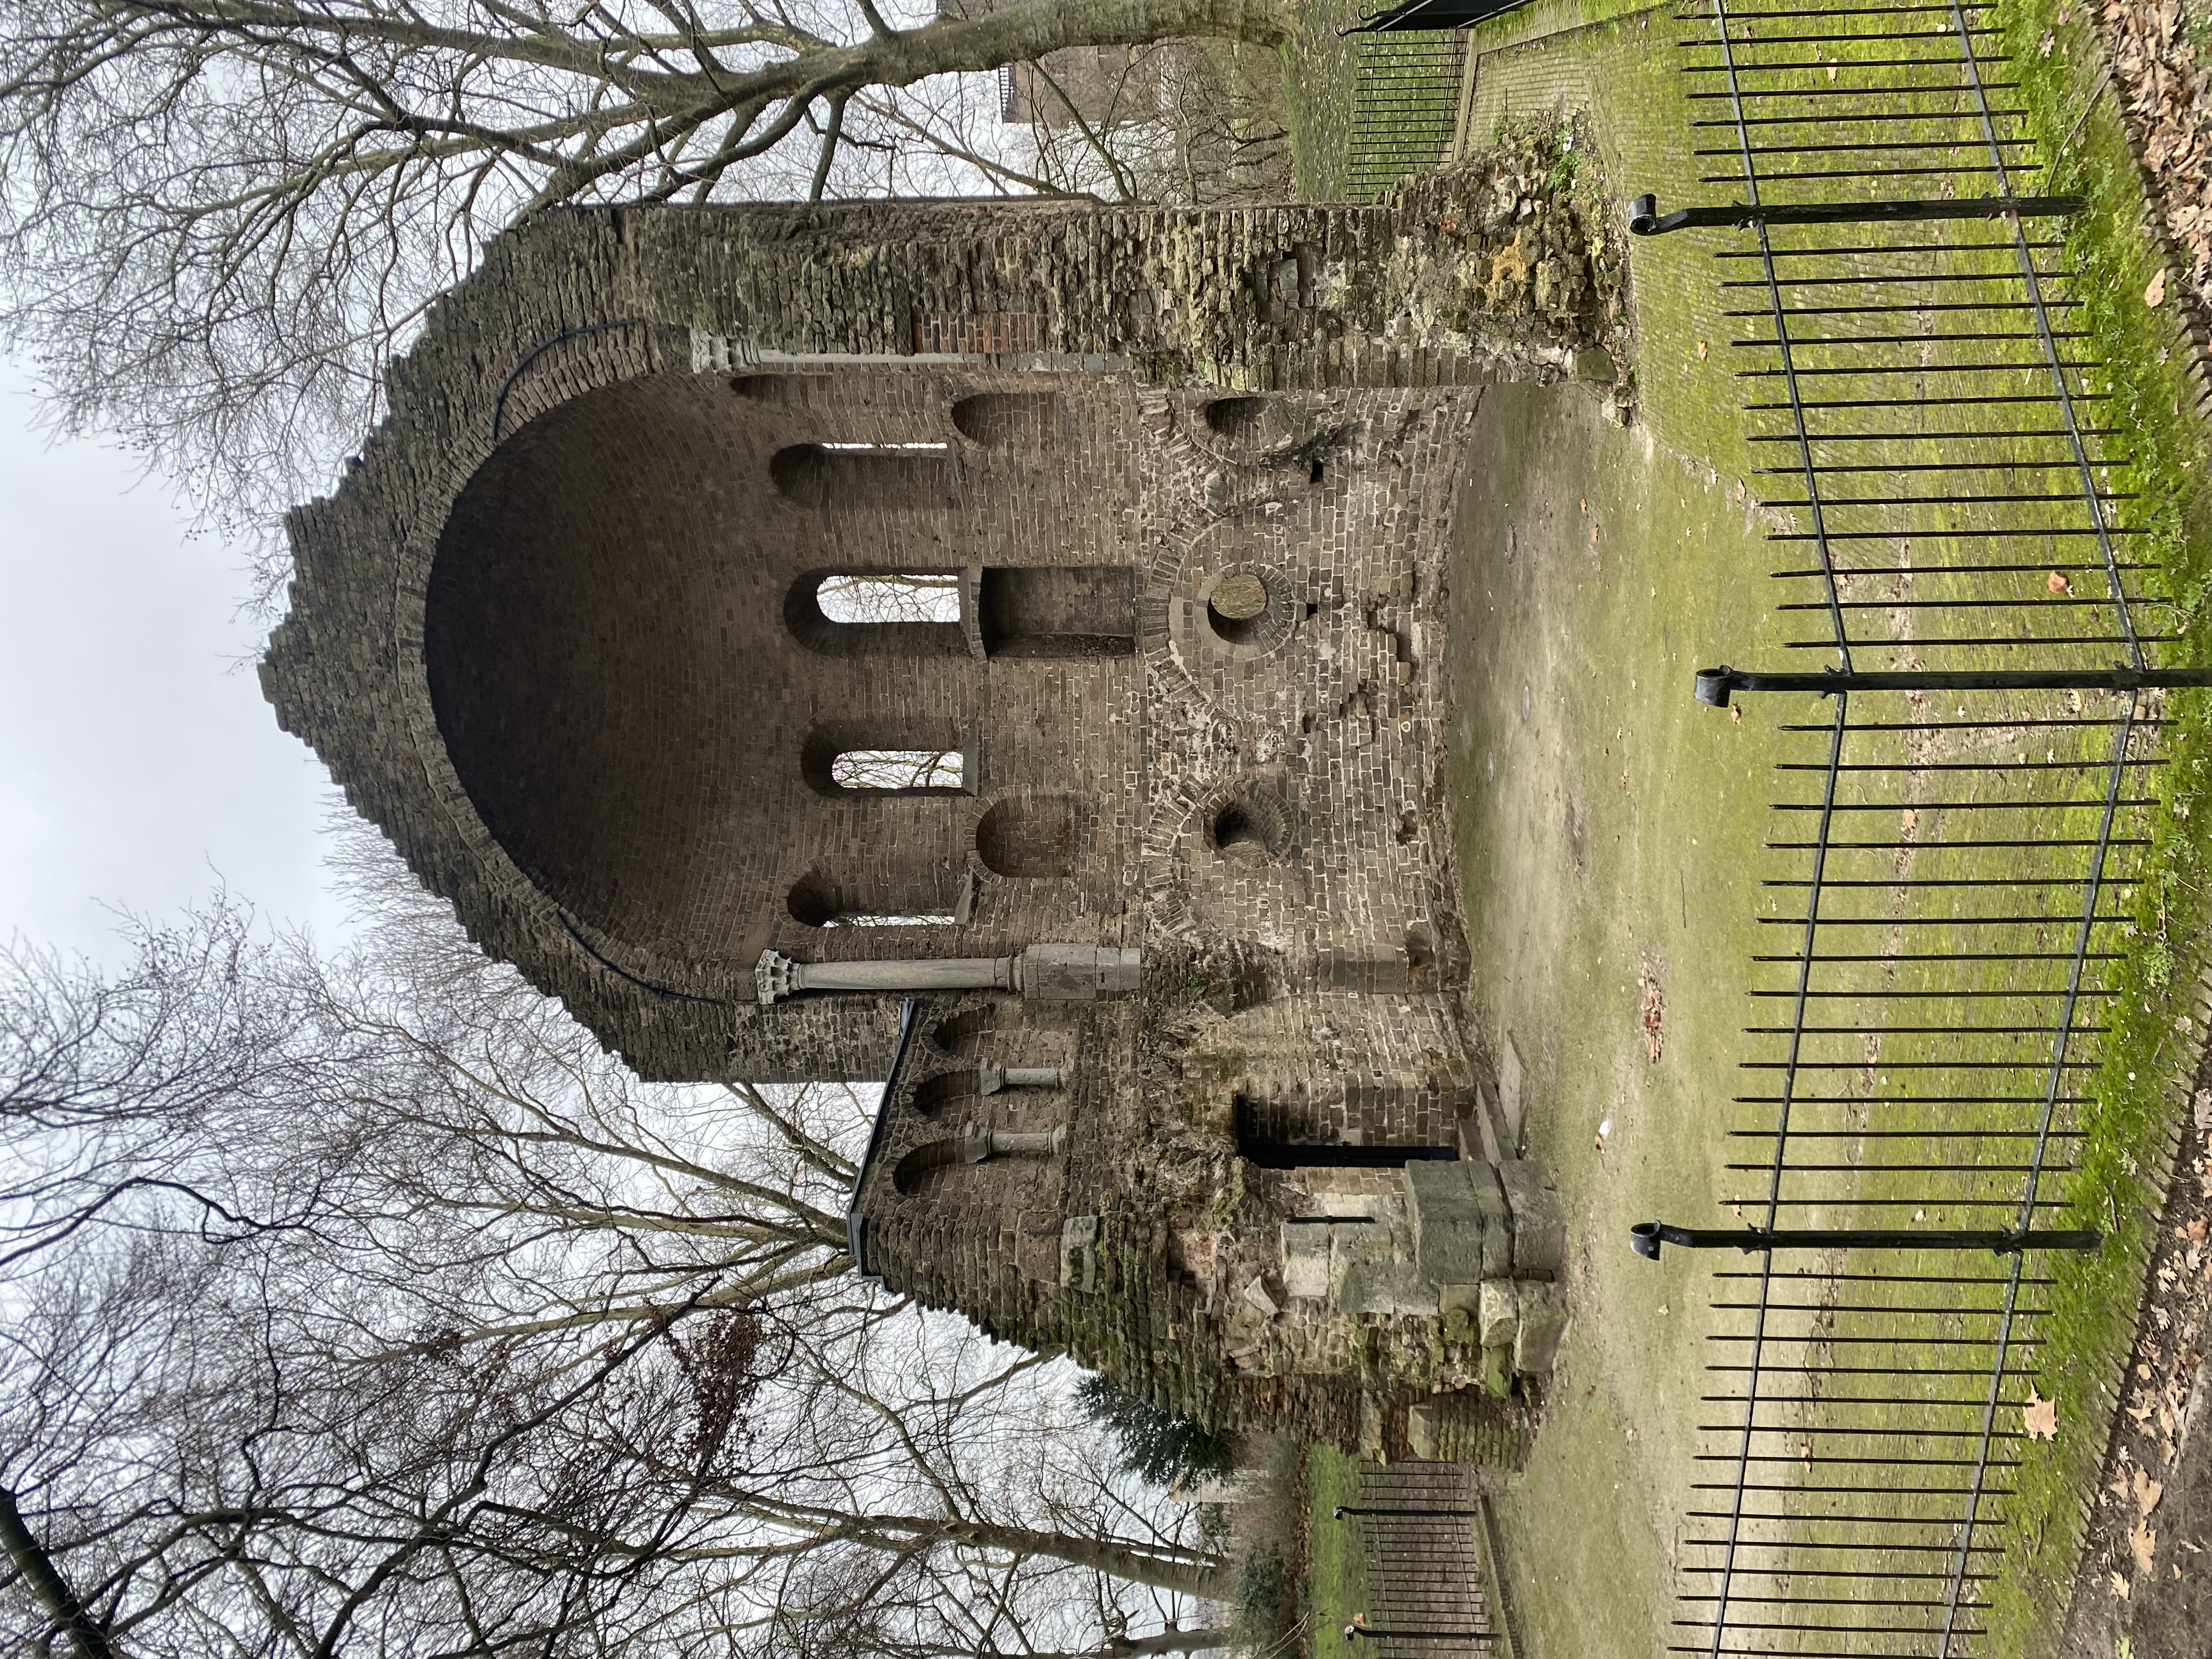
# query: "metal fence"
{"points": [[1404, 106], [1428, 1584], [1971, 698]]}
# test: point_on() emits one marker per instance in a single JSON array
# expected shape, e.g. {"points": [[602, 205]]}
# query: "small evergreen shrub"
{"points": [[1163, 1447]]}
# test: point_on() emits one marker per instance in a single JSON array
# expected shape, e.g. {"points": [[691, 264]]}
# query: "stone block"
{"points": [[1447, 1221], [1394, 1286], [1543, 1322], [1371, 1424], [1497, 1222], [1078, 1253], [1497, 1313], [1382, 1281], [1596, 365], [1305, 1259], [1497, 1371], [1485, 1135], [1510, 1078], [1540, 1219], [1423, 1430]]}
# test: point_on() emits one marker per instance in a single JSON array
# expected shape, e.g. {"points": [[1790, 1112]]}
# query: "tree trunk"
{"points": [[1207, 1577], [1168, 1641], [87, 1639]]}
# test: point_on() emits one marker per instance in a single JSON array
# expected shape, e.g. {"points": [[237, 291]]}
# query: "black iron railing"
{"points": [[1428, 1593], [1957, 840], [1404, 106]]}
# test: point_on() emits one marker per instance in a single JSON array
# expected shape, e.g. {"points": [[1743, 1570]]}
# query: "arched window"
{"points": [[922, 897], [851, 613], [905, 770], [890, 596], [844, 758]]}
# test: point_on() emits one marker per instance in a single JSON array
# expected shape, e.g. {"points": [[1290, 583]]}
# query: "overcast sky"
{"points": [[139, 767]]}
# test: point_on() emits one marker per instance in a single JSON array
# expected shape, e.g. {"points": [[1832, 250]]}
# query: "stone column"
{"points": [[1049, 1144], [991, 1077], [1047, 973], [978, 1144]]}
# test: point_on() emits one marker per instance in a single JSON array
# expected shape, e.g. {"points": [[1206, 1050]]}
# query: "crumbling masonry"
{"points": [[1180, 1076]]}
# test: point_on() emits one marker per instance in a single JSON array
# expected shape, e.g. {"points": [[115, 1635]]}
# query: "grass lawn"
{"points": [[1607, 829], [1336, 1567]]}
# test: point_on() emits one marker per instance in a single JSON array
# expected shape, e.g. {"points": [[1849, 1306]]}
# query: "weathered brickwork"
{"points": [[1187, 479]]}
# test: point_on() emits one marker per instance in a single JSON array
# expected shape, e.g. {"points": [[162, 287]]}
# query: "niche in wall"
{"points": [[1058, 610], [1008, 420], [1030, 836], [1260, 1140], [840, 477]]}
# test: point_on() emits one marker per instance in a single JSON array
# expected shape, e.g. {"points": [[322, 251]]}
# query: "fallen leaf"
{"points": [[1736, 713], [1652, 1014], [2147, 1492], [2143, 1544], [2057, 582], [2155, 295], [2119, 1585], [2039, 1416], [1701, 351]]}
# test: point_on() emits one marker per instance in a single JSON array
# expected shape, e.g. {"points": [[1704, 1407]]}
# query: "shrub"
{"points": [[1162, 1446]]}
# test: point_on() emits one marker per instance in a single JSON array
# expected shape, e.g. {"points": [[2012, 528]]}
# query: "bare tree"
{"points": [[438, 1332], [219, 216]]}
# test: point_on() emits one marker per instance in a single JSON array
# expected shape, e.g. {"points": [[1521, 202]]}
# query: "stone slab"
{"points": [[1446, 1219], [1079, 1255], [1543, 1324], [1540, 1219], [1497, 1312], [1497, 1222], [1305, 1259], [1511, 1075]]}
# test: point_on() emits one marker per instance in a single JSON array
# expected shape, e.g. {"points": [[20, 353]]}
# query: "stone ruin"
{"points": [[1158, 934]]}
